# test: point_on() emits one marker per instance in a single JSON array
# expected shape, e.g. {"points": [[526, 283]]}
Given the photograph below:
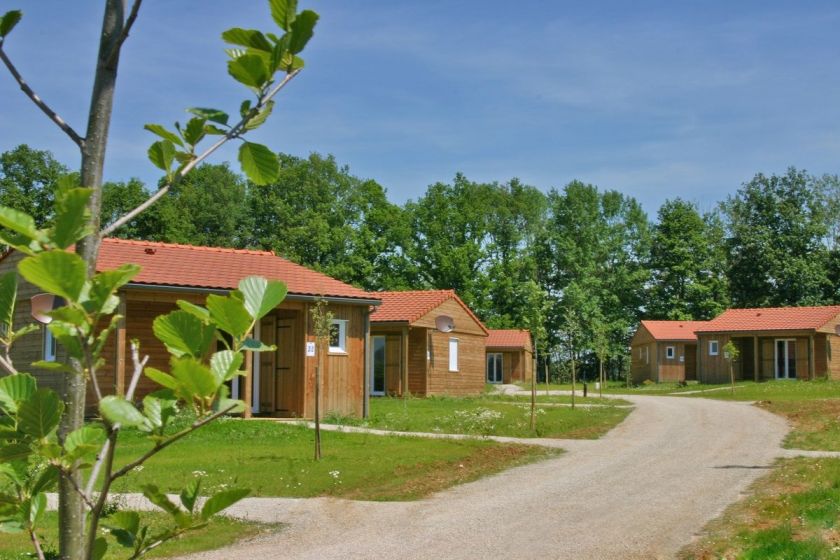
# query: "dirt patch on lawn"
{"points": [[411, 482]]}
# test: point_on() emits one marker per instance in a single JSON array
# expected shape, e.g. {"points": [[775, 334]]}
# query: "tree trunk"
{"points": [[534, 389], [601, 378], [71, 512], [572, 354], [318, 405]]}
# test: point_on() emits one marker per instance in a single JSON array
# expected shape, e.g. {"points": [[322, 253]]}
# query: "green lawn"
{"points": [[275, 459], [621, 388], [222, 531], [792, 513], [488, 416]]}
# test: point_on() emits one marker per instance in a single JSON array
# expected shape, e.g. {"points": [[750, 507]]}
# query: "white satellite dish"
{"points": [[444, 323], [43, 304]]}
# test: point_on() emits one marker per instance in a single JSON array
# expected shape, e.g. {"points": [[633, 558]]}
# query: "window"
{"points": [[338, 336], [453, 354], [713, 348], [50, 346], [669, 352]]}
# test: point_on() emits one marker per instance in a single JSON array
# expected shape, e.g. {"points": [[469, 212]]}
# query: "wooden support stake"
{"points": [[119, 372]]}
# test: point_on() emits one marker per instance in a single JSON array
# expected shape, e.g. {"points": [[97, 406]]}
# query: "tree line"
{"points": [[579, 265]]}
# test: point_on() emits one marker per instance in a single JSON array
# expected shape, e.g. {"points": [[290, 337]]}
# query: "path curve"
{"points": [[640, 492]]}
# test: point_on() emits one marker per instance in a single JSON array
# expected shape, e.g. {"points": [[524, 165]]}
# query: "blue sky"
{"points": [[654, 99]]}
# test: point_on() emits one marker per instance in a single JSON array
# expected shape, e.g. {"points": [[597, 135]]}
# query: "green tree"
{"points": [[688, 264], [120, 197], [320, 215], [208, 207], [777, 256], [28, 179], [255, 62]]}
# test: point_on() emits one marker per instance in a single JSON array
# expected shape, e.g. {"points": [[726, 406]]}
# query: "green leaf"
{"points": [[162, 154], [195, 379], [221, 501], [230, 406], [56, 272], [158, 498], [72, 217], [161, 378], [9, 21], [302, 30], [190, 493], [14, 389], [196, 310], [283, 12], [258, 119], [183, 333], [104, 284], [214, 115], [100, 547], [124, 526], [225, 365], [14, 452], [259, 163], [245, 107], [164, 133], [19, 222], [249, 69], [72, 316], [37, 506], [39, 415], [8, 295], [253, 345], [46, 480], [194, 131], [212, 129], [84, 442], [229, 314], [250, 38], [117, 410], [68, 337], [56, 367], [260, 296], [159, 410]]}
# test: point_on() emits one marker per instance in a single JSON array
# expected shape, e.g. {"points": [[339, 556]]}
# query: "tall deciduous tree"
{"points": [[777, 256], [688, 264], [28, 180]]}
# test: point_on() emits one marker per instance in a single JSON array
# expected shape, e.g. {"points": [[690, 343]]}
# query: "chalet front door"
{"points": [[785, 358], [494, 368], [377, 366], [288, 380]]}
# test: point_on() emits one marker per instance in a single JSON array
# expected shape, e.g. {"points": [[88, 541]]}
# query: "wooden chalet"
{"points": [[773, 343], [509, 356], [282, 382], [664, 351], [410, 355]]}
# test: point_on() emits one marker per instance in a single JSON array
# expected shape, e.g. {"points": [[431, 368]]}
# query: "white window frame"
{"points": [[670, 352], [714, 348], [453, 366], [342, 337], [50, 346]]}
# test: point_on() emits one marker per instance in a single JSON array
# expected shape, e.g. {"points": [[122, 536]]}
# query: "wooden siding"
{"points": [[674, 369], [417, 374], [517, 365], [464, 323], [715, 369], [470, 377], [833, 352], [643, 360]]}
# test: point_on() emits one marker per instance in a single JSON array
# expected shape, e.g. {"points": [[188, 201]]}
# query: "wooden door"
{"points": [[268, 335], [288, 379], [690, 357]]}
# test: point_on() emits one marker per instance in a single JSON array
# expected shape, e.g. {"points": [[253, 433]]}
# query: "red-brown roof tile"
{"points": [[673, 330], [169, 264], [772, 319], [509, 338], [410, 306]]}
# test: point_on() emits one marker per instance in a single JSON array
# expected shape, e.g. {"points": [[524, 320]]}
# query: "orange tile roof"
{"points": [[410, 306], [772, 319], [673, 330], [509, 338], [169, 264]]}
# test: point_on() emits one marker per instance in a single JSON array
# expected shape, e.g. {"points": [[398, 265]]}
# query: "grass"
{"points": [[276, 459], [484, 416], [792, 513], [621, 388], [222, 531]]}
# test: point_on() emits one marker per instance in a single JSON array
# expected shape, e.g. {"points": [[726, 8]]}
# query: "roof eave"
{"points": [[289, 297]]}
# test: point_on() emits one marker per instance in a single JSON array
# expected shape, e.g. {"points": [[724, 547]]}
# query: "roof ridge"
{"points": [[207, 248]]}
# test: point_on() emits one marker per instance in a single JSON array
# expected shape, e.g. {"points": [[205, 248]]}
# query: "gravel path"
{"points": [[640, 492]]}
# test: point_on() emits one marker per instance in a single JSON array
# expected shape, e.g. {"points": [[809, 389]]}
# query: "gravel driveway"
{"points": [[642, 491]]}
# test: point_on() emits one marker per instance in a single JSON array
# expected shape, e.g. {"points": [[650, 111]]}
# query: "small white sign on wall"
{"points": [[682, 358], [310, 349]]}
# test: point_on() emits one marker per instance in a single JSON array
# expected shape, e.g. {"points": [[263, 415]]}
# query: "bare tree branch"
{"points": [[62, 124], [37, 544], [132, 16], [138, 369], [84, 496], [232, 133]]}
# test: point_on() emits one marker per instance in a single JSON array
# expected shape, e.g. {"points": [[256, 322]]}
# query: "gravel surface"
{"points": [[640, 492]]}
